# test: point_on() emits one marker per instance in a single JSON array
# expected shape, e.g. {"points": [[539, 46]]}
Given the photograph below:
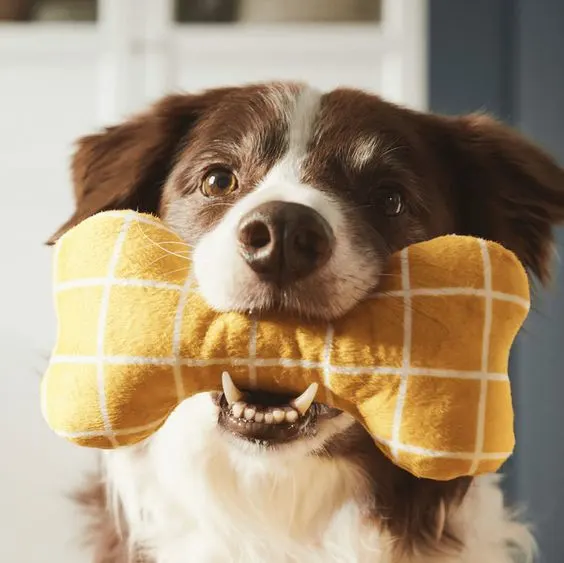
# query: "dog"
{"points": [[293, 200]]}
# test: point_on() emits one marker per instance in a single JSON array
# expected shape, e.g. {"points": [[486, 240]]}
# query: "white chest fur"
{"points": [[191, 496]]}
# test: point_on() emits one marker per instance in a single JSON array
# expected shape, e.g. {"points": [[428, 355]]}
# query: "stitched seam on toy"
{"points": [[122, 282], [102, 322], [418, 450], [177, 335], [421, 292], [253, 384], [141, 219], [406, 353], [283, 362], [45, 380], [117, 432], [327, 349], [456, 291], [482, 403], [407, 448]]}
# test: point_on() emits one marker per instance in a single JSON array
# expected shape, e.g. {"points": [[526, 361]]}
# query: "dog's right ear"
{"points": [[126, 166]]}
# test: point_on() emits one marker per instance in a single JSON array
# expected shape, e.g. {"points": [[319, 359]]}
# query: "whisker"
{"points": [[175, 271], [166, 255], [179, 242], [158, 245]]}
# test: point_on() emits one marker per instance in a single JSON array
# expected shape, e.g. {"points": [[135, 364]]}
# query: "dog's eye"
{"points": [[392, 203], [219, 182]]}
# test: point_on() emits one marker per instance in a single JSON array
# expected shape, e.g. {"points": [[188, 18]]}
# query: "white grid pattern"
{"points": [[423, 292], [456, 291], [153, 425], [100, 360], [253, 355], [488, 305], [102, 322], [143, 219], [327, 369], [326, 364], [406, 352], [177, 335], [417, 450], [252, 362], [121, 282]]}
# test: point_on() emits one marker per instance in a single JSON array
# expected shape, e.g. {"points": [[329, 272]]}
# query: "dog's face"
{"points": [[292, 200]]}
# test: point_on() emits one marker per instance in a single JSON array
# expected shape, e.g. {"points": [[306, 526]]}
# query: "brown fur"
{"points": [[108, 540], [467, 175], [407, 507], [124, 167], [506, 189]]}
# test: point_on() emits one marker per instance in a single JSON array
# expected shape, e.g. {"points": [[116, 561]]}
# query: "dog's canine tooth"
{"points": [[238, 408], [259, 417], [230, 391], [249, 413], [303, 402]]}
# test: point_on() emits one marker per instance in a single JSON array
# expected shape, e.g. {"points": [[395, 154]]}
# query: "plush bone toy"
{"points": [[422, 364]]}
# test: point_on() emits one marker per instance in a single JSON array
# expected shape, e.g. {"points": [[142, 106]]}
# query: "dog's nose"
{"points": [[283, 242]]}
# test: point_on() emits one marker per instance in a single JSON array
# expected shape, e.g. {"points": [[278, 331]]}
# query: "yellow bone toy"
{"points": [[423, 364]]}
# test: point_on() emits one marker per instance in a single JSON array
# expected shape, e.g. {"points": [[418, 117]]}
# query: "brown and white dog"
{"points": [[293, 199]]}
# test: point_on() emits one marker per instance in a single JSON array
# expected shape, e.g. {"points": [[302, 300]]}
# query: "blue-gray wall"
{"points": [[507, 57]]}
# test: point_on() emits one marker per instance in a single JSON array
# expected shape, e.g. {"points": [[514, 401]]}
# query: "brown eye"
{"points": [[392, 204], [219, 182]]}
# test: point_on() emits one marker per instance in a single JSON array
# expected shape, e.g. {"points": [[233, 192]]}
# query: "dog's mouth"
{"points": [[270, 418]]}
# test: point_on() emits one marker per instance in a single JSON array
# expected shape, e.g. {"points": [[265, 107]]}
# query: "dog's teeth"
{"points": [[237, 409], [303, 402], [230, 391], [268, 418], [279, 415], [259, 417], [249, 413], [291, 415]]}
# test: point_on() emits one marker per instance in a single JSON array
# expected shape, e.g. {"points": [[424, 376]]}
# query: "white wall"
{"points": [[44, 106]]}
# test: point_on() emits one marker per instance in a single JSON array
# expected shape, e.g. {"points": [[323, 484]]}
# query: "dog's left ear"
{"points": [[506, 189], [126, 166]]}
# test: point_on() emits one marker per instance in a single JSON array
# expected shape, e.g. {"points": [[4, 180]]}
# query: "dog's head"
{"points": [[293, 200]]}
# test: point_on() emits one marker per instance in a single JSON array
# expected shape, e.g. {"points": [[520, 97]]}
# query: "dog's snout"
{"points": [[283, 242]]}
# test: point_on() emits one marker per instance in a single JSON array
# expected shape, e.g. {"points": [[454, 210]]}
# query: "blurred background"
{"points": [[68, 67]]}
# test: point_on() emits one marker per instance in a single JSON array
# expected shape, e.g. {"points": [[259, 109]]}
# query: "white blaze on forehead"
{"points": [[284, 180], [281, 99], [271, 103], [302, 118]]}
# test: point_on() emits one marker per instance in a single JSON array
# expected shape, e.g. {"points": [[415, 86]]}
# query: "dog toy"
{"points": [[422, 364]]}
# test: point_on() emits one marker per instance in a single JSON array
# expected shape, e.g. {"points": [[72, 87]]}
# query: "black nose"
{"points": [[283, 242]]}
